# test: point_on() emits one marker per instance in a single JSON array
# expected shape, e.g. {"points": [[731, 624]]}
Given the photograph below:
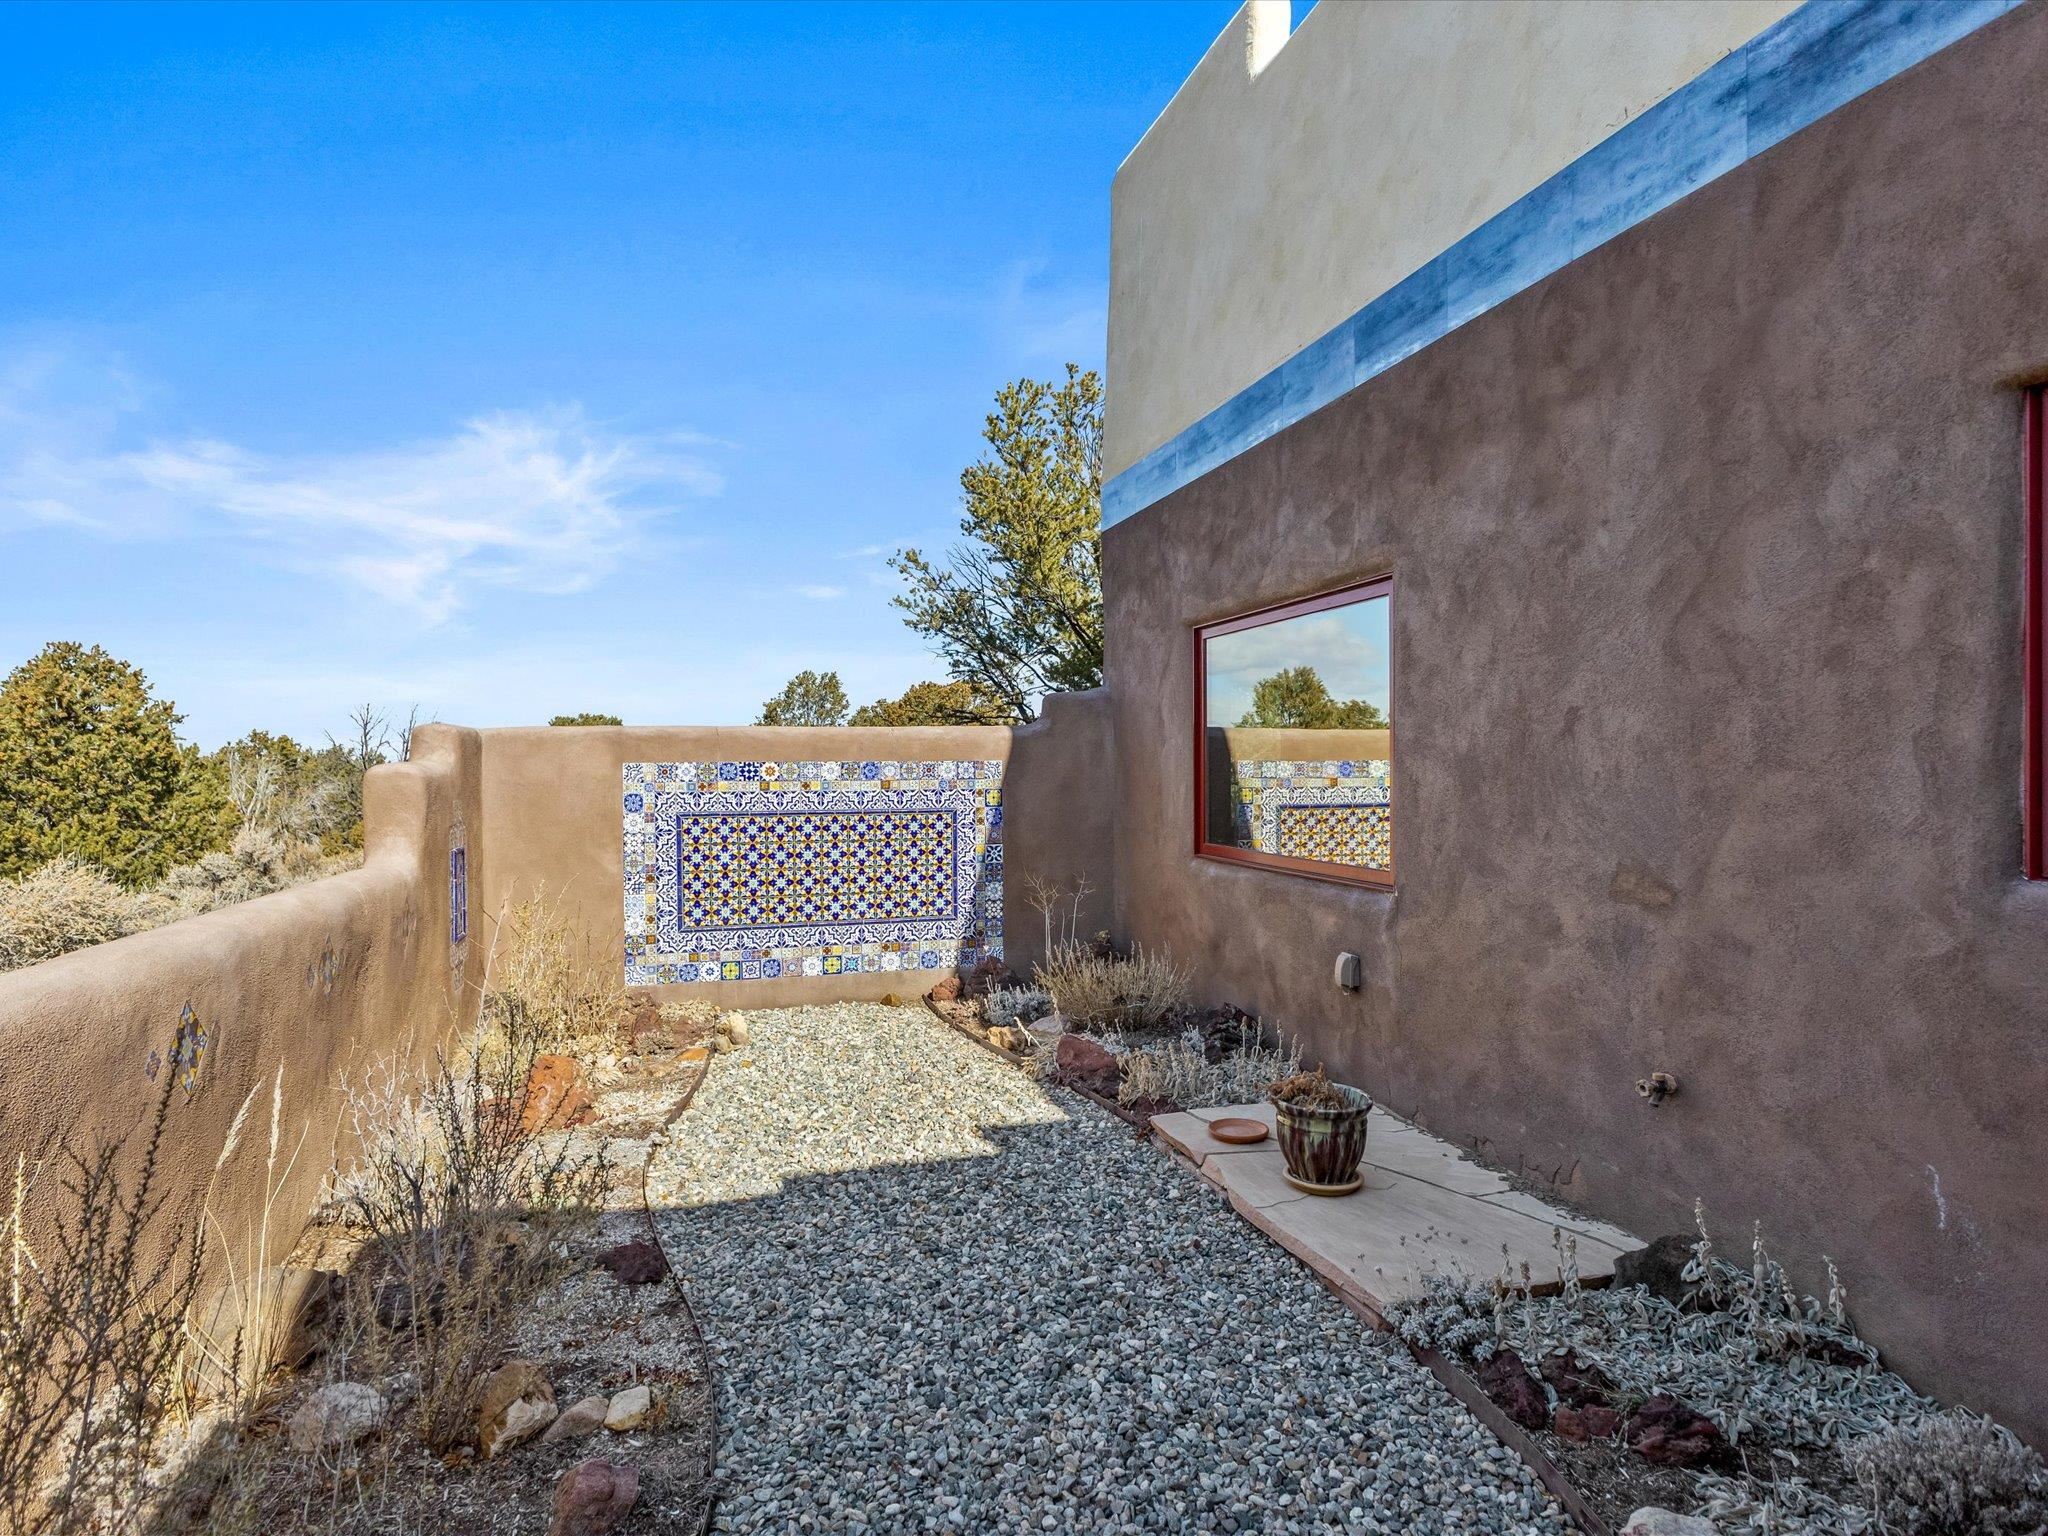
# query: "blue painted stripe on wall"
{"points": [[1826, 53]]}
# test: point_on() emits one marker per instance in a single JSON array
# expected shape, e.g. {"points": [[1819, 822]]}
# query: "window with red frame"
{"points": [[1294, 739], [2035, 639]]}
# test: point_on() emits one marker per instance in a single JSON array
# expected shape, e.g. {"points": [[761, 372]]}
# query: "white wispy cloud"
{"points": [[537, 501], [1047, 320], [820, 593]]}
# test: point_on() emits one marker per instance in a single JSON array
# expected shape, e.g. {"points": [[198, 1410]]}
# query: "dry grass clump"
{"points": [[1951, 1475], [99, 1281], [1309, 1090], [1101, 992], [63, 906], [232, 1348], [550, 986], [1180, 1071]]}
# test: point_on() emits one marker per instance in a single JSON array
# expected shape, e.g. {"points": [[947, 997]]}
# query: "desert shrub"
{"points": [[1181, 1071], [464, 1199], [1101, 992], [551, 987], [66, 905], [1951, 1475], [99, 1280], [62, 906], [1007, 1006], [255, 865]]}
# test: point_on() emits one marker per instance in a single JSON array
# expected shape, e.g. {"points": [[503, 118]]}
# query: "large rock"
{"points": [[1659, 1268], [732, 1029], [630, 1409], [1008, 1037], [1671, 1433], [945, 989], [1652, 1521], [1517, 1393], [338, 1415], [579, 1421], [593, 1497], [518, 1403], [556, 1096], [1590, 1422], [639, 1262], [1082, 1063]]}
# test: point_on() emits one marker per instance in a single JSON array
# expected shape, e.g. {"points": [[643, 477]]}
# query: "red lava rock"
{"points": [[1576, 1379], [945, 989], [988, 976], [639, 1262], [556, 1096], [1591, 1422], [1671, 1433], [1506, 1380], [593, 1497], [645, 1026], [1080, 1062]]}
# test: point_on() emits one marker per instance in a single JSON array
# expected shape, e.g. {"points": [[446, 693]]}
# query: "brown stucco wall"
{"points": [[326, 979], [552, 820], [1706, 632]]}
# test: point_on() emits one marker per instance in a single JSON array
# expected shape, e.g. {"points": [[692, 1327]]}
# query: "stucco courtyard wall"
{"points": [[552, 822], [1708, 691], [326, 980]]}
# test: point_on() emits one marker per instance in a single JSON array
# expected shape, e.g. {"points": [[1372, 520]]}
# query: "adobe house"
{"points": [[1623, 411], [1572, 531]]}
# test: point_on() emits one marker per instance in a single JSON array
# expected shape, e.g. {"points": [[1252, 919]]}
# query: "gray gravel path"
{"points": [[946, 1299]]}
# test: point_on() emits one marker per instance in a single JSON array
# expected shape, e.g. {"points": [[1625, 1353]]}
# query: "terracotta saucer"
{"points": [[1324, 1189], [1237, 1131]]}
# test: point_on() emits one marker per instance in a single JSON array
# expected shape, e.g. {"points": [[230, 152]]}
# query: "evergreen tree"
{"points": [[1017, 610], [92, 768], [1299, 698], [809, 698]]}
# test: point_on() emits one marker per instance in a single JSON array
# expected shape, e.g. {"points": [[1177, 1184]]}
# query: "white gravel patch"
{"points": [[945, 1298]]}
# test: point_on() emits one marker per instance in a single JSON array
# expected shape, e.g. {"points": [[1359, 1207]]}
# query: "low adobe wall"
{"points": [[1708, 676], [328, 979], [324, 979], [552, 820]]}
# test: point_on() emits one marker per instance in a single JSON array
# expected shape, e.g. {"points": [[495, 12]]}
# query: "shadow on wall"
{"points": [[288, 993]]}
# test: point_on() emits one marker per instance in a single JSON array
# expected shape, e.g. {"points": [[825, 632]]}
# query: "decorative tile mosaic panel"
{"points": [[750, 871], [1338, 812], [458, 895]]}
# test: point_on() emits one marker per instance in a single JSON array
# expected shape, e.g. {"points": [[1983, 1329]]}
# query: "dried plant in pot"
{"points": [[1321, 1127]]}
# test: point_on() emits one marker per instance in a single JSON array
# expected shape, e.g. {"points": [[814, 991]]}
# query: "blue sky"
{"points": [[513, 361]]}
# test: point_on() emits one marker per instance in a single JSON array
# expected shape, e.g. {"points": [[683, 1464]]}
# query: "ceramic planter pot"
{"points": [[1323, 1147]]}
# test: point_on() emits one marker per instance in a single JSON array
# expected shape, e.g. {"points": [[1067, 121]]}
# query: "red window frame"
{"points": [[1340, 874], [2034, 640]]}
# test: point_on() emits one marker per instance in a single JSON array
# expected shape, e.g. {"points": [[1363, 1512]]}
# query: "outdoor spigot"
{"points": [[1657, 1087]]}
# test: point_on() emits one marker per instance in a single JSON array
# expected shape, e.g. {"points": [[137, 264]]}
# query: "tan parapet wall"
{"points": [[324, 980], [552, 821], [1294, 179]]}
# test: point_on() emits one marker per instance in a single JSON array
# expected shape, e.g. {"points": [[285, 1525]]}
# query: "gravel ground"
{"points": [[944, 1298]]}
